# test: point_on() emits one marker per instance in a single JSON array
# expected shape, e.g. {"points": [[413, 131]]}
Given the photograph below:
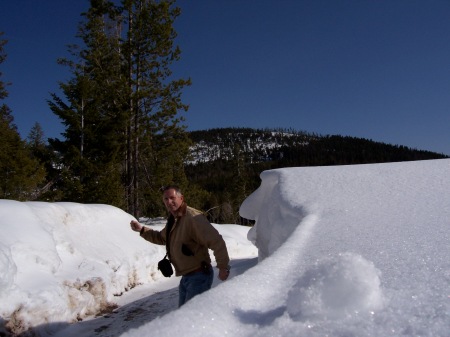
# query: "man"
{"points": [[190, 237]]}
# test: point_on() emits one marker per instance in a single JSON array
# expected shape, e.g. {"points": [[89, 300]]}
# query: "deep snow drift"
{"points": [[344, 251], [63, 262], [357, 250]]}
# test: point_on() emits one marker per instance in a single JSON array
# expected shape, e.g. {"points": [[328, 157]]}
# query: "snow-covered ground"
{"points": [[358, 250], [67, 262]]}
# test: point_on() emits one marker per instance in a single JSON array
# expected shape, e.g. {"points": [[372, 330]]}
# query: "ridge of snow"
{"points": [[357, 250]]}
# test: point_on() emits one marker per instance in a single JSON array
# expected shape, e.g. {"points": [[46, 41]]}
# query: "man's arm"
{"points": [[148, 234]]}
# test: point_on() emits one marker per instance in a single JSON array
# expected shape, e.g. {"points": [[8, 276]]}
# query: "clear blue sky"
{"points": [[376, 69]]}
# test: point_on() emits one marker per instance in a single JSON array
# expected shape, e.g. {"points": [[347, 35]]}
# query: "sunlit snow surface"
{"points": [[346, 251], [357, 250]]}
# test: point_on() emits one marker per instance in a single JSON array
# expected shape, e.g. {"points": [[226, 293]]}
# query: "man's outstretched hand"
{"points": [[136, 226]]}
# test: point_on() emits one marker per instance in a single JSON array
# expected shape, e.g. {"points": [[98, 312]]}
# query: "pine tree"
{"points": [[20, 174], [124, 137], [93, 113], [42, 152], [157, 143]]}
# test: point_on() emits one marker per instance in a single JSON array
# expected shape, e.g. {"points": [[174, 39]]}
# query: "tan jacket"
{"points": [[191, 237]]}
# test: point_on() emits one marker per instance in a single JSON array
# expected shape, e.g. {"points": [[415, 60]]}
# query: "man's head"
{"points": [[172, 198]]}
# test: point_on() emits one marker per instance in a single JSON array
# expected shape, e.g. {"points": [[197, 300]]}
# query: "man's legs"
{"points": [[194, 284]]}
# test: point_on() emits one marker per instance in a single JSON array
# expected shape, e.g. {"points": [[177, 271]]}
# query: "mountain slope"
{"points": [[227, 162]]}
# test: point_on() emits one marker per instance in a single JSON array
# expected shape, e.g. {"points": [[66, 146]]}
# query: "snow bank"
{"points": [[61, 262], [344, 251]]}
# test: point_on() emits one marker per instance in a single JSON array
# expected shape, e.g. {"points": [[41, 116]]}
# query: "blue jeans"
{"points": [[194, 284]]}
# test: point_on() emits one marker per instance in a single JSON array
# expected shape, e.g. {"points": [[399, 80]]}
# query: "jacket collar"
{"points": [[182, 210]]}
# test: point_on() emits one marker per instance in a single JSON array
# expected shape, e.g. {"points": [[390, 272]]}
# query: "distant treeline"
{"points": [[227, 162]]}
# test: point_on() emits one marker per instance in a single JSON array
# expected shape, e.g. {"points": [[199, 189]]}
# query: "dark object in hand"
{"points": [[165, 267]]}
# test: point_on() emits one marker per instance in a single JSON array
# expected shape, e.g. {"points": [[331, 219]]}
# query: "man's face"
{"points": [[172, 200]]}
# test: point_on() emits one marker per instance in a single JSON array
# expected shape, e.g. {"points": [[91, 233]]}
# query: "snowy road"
{"points": [[138, 307], [135, 308]]}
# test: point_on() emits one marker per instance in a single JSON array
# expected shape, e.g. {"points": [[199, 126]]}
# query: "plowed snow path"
{"points": [[135, 308]]}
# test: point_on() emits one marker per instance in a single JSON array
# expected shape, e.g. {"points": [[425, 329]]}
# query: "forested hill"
{"points": [[227, 162], [282, 148]]}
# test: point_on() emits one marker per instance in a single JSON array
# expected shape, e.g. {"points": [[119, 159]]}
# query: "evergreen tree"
{"points": [[157, 143], [124, 138], [42, 152], [36, 139], [93, 113], [20, 174]]}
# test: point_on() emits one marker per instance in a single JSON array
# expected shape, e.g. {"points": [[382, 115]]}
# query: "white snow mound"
{"points": [[336, 288]]}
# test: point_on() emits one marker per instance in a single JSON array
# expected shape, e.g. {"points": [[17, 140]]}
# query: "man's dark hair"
{"points": [[171, 187]]}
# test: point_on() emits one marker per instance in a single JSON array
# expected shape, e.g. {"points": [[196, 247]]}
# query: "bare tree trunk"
{"points": [[130, 140]]}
